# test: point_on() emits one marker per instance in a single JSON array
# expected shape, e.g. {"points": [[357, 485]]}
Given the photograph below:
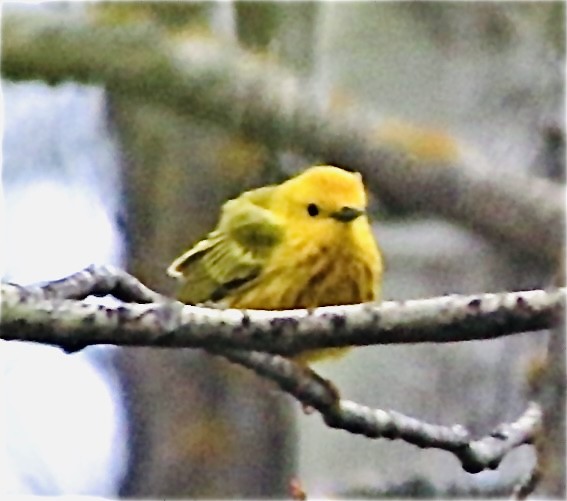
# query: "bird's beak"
{"points": [[347, 214]]}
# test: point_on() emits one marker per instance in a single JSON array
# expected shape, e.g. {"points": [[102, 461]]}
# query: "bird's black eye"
{"points": [[312, 210]]}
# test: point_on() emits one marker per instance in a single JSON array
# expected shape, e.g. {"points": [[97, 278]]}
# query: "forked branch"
{"points": [[55, 313]]}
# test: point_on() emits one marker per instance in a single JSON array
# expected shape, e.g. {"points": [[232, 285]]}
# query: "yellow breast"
{"points": [[308, 272]]}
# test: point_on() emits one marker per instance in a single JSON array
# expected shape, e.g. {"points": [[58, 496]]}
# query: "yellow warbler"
{"points": [[301, 244]]}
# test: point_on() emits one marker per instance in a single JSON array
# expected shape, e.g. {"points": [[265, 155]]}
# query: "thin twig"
{"points": [[95, 281], [311, 390]]}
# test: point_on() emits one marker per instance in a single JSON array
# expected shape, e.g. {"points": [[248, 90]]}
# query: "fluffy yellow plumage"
{"points": [[301, 244]]}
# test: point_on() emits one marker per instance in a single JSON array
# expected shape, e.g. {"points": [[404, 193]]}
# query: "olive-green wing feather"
{"points": [[232, 255]]}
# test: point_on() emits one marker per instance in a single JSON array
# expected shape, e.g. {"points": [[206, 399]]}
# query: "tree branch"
{"points": [[311, 390], [237, 91], [43, 313]]}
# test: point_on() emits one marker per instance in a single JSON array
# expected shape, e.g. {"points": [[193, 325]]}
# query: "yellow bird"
{"points": [[303, 243]]}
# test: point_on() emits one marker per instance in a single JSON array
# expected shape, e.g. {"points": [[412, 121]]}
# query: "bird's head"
{"points": [[322, 193]]}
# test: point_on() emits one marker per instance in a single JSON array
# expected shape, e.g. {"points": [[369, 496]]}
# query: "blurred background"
{"points": [[95, 175]]}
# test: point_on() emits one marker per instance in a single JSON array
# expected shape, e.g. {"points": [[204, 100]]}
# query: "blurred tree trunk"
{"points": [[548, 384], [552, 397], [198, 426]]}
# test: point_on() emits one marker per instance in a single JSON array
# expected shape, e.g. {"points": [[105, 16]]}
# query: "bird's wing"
{"points": [[233, 254]]}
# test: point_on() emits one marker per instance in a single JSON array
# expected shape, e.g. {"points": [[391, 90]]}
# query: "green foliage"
{"points": [[169, 15]]}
